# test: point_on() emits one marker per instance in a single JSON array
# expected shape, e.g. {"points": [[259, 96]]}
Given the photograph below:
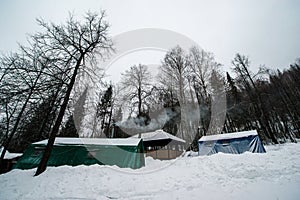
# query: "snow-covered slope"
{"points": [[273, 175]]}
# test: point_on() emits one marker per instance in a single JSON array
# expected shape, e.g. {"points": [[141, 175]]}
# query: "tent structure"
{"points": [[126, 153], [235, 143], [162, 145], [10, 159]]}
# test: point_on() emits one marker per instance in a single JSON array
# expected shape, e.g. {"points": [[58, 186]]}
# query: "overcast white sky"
{"points": [[265, 30]]}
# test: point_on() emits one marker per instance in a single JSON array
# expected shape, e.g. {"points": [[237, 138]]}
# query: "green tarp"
{"points": [[125, 153]]}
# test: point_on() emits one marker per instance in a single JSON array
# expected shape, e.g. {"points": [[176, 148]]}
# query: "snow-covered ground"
{"points": [[274, 175]]}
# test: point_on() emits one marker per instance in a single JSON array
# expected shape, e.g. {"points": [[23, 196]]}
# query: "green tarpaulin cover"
{"points": [[126, 153]]}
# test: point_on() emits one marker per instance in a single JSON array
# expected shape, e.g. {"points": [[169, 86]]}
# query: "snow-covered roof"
{"points": [[228, 135], [9, 155], [158, 135], [95, 141]]}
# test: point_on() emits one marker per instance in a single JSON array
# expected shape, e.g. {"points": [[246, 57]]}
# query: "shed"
{"points": [[10, 159], [162, 145], [235, 143], [126, 153]]}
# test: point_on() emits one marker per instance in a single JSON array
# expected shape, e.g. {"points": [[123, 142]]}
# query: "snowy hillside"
{"points": [[274, 175]]}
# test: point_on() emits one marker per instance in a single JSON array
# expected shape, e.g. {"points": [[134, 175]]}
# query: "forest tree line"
{"points": [[45, 92], [186, 98]]}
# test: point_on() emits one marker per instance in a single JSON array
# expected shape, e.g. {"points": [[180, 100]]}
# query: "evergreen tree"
{"points": [[241, 67], [104, 110], [69, 130]]}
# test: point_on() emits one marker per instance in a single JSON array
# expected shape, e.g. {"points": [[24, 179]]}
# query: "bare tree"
{"points": [[75, 43], [174, 70], [202, 66], [174, 73], [136, 90], [21, 79], [136, 85]]}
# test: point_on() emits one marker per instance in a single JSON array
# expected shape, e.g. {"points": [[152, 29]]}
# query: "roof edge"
{"points": [[228, 136]]}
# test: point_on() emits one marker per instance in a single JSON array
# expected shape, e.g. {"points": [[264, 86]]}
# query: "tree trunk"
{"points": [[43, 164], [140, 101]]}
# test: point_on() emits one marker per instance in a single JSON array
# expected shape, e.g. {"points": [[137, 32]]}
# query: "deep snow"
{"points": [[273, 175]]}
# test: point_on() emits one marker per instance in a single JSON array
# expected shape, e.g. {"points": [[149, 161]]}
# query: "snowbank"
{"points": [[273, 175]]}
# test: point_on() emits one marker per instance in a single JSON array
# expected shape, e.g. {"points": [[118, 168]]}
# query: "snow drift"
{"points": [[273, 175]]}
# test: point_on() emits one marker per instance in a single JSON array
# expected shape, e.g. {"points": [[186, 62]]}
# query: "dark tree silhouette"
{"points": [[69, 130]]}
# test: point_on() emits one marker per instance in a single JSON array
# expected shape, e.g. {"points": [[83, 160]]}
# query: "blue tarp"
{"points": [[234, 143]]}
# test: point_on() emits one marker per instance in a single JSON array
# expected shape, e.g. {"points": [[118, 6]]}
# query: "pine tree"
{"points": [[104, 110], [69, 130]]}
